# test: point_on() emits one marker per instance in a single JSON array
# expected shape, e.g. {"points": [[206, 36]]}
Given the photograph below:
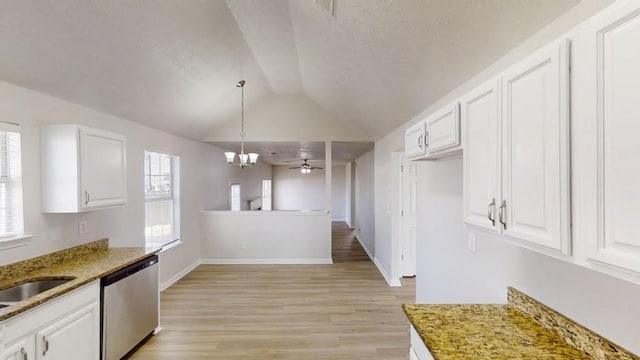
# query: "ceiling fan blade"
{"points": [[316, 168], [295, 167]]}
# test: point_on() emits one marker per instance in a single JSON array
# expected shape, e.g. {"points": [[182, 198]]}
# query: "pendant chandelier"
{"points": [[245, 160]]}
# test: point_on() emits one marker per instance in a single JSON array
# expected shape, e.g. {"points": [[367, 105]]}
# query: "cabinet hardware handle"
{"points": [[86, 197], [23, 354], [45, 343], [502, 215], [426, 139], [491, 210], [420, 141]]}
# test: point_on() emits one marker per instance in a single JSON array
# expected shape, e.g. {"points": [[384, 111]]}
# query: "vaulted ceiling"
{"points": [[173, 65]]}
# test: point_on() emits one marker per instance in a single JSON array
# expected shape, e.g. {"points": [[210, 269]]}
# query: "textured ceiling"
{"points": [[173, 64]]}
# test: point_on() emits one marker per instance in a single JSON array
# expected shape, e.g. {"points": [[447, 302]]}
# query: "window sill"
{"points": [[166, 247], [15, 241]]}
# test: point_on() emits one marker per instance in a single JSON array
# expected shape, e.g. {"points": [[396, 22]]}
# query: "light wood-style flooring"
{"points": [[344, 245], [303, 312]]}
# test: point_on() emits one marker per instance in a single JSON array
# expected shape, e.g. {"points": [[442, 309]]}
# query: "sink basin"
{"points": [[28, 289]]}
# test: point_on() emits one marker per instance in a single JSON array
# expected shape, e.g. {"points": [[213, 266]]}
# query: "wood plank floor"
{"points": [[344, 245], [340, 311]]}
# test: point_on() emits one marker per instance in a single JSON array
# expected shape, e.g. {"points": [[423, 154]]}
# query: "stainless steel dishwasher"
{"points": [[129, 307]]}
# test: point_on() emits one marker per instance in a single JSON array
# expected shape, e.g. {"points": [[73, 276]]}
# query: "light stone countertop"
{"points": [[84, 263]]}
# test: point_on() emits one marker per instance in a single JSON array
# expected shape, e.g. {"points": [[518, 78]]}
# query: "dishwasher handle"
{"points": [[129, 270]]}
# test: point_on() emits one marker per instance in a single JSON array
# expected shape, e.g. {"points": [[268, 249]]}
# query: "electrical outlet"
{"points": [[472, 243], [83, 227]]}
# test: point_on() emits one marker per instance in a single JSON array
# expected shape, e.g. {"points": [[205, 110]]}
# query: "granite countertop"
{"points": [[521, 329], [84, 263], [486, 332]]}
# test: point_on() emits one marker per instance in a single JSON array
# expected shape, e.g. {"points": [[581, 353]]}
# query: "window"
{"points": [[161, 187], [266, 194], [235, 196], [11, 224]]}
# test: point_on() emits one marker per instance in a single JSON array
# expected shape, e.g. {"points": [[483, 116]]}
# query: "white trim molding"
{"points": [[165, 285], [266, 261], [390, 281], [364, 247]]}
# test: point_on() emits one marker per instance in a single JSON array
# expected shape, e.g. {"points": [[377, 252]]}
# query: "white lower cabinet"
{"points": [[22, 349], [66, 328], [418, 349]]}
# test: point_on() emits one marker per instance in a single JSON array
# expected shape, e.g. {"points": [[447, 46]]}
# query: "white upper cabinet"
{"points": [[414, 145], [534, 210], [443, 130], [480, 111], [82, 169], [436, 137], [607, 144], [516, 161]]}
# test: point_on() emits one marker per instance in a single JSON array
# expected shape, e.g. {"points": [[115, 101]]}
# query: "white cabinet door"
{"points": [[607, 103], [22, 349], [480, 111], [418, 349], [535, 151], [82, 168], [414, 145], [443, 129], [74, 337], [102, 168]]}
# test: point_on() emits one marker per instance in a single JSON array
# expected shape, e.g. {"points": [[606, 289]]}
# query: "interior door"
{"points": [[409, 190]]}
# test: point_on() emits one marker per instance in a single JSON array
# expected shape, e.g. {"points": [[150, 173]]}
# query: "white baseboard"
{"points": [[266, 261], [390, 281], [339, 220], [165, 285], [364, 247]]}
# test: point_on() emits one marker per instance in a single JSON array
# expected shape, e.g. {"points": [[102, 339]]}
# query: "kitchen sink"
{"points": [[25, 290]]}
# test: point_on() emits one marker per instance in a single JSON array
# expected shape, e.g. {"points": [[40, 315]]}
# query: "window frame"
{"points": [[173, 195], [269, 197], [232, 183], [11, 176]]}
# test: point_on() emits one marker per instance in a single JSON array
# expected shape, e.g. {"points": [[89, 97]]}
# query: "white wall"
{"points": [[266, 237], [293, 190], [339, 193], [447, 272], [250, 182], [124, 226], [364, 202]]}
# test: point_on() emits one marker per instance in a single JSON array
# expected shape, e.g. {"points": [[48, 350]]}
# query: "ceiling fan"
{"points": [[305, 168]]}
